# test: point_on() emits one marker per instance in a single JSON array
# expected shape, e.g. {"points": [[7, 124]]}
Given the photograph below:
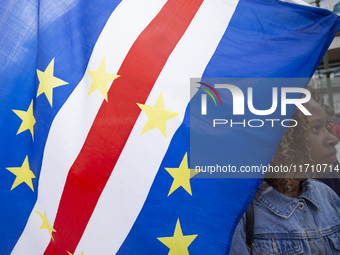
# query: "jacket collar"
{"points": [[283, 205], [308, 192]]}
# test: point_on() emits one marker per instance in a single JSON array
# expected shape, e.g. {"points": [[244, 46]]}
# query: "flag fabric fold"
{"points": [[95, 118]]}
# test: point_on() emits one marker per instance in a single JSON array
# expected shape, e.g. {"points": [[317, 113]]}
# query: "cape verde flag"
{"points": [[94, 119]]}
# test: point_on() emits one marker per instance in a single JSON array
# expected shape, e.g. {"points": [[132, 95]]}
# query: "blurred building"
{"points": [[327, 77]]}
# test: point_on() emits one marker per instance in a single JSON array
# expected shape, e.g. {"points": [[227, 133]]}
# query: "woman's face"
{"points": [[322, 142]]}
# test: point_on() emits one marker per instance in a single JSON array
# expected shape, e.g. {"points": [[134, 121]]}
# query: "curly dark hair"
{"points": [[294, 148]]}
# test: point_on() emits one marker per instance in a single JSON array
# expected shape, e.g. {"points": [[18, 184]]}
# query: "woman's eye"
{"points": [[316, 128]]}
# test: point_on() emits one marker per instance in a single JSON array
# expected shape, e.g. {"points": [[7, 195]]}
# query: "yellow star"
{"points": [[45, 224], [178, 244], [47, 82], [158, 116], [100, 79], [23, 174], [182, 176], [69, 253], [28, 120]]}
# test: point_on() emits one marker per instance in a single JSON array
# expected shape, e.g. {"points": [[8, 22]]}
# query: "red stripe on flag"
{"points": [[115, 120]]}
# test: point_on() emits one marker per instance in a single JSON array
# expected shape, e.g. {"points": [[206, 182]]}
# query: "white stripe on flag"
{"points": [[71, 125], [301, 2], [129, 184]]}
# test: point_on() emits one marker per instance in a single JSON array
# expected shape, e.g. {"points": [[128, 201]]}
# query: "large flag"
{"points": [[95, 125]]}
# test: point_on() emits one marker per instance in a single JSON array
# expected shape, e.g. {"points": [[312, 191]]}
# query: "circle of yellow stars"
{"points": [[47, 83], [157, 118]]}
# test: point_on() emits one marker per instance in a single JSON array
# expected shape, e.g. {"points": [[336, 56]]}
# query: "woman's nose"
{"points": [[332, 139]]}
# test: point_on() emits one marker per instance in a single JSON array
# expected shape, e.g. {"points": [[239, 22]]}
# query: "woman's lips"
{"points": [[332, 157]]}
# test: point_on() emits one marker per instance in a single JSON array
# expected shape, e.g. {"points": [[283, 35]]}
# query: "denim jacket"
{"points": [[308, 224]]}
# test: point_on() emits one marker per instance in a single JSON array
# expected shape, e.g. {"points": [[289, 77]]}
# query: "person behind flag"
{"points": [[334, 128], [295, 215]]}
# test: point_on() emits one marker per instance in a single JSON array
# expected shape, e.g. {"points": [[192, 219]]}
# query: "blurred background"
{"points": [[326, 79]]}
